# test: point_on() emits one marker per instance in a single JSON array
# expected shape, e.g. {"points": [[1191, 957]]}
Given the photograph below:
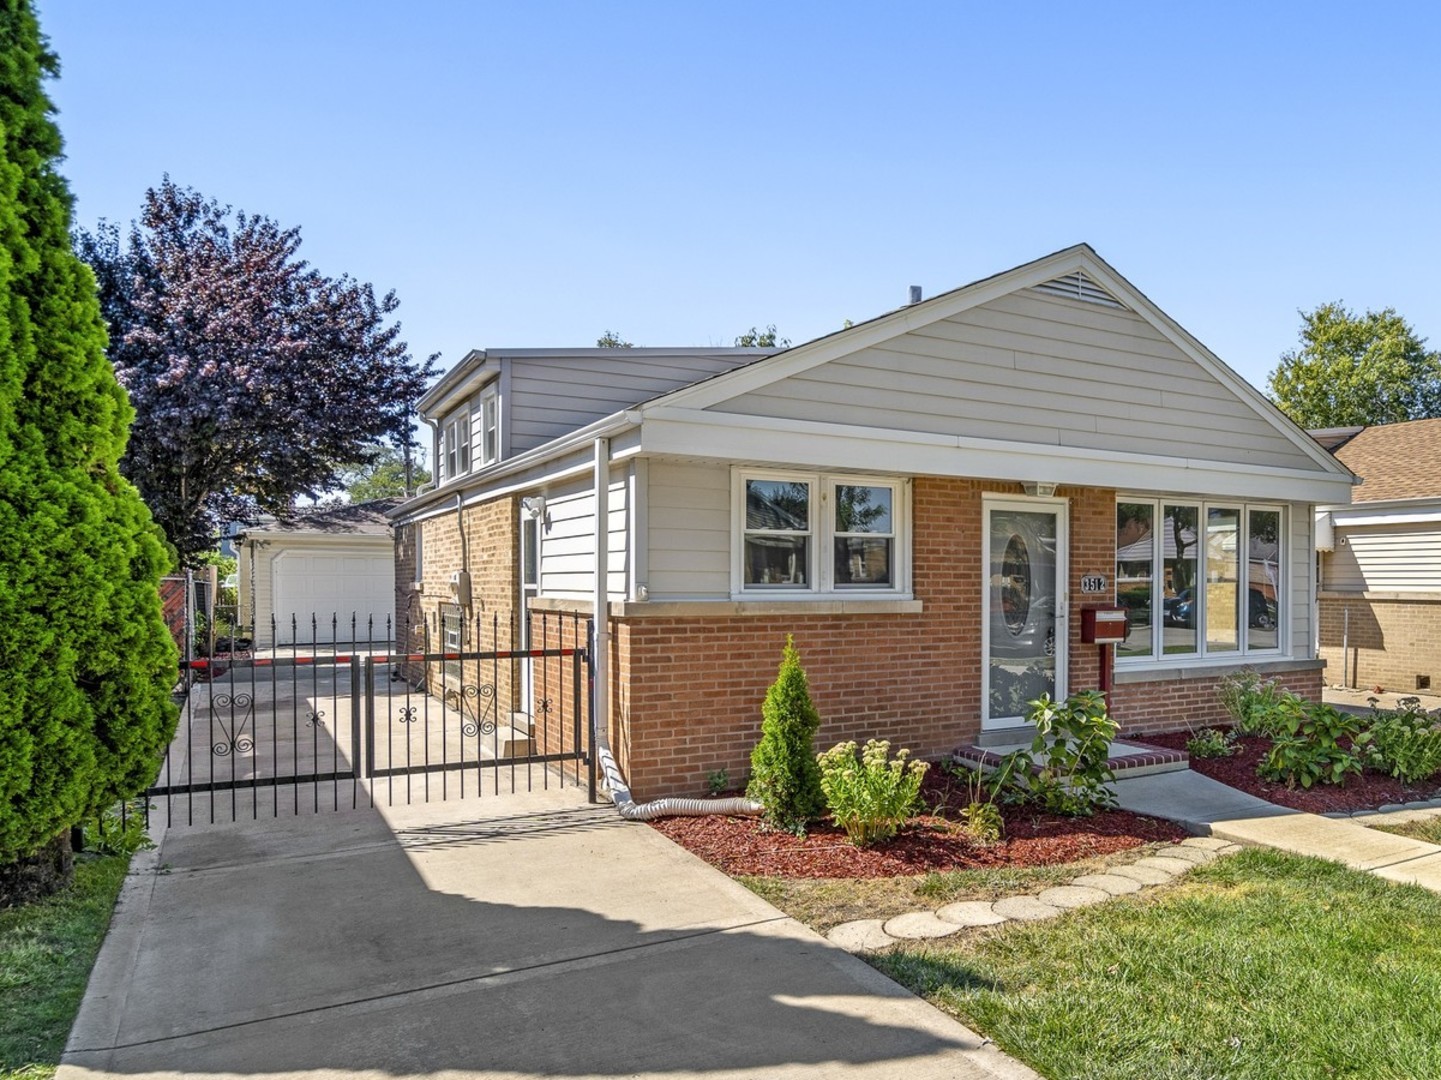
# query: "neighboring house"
{"points": [[1380, 567], [927, 501], [323, 576]]}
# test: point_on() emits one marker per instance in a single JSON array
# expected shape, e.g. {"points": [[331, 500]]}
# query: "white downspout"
{"points": [[600, 607]]}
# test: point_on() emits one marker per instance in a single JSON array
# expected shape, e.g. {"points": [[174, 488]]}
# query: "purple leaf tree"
{"points": [[255, 378]]}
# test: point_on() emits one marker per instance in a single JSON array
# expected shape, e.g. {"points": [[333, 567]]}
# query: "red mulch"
{"points": [[931, 842], [1364, 792]]}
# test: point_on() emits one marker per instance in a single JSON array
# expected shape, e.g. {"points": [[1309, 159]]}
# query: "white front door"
{"points": [[1023, 617]]}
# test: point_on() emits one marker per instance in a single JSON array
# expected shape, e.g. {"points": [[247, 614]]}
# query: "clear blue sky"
{"points": [[531, 174]]}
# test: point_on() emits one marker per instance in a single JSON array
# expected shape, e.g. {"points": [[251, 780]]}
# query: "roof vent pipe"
{"points": [[915, 295]]}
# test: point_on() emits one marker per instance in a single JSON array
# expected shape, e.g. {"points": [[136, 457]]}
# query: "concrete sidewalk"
{"points": [[1208, 807], [508, 937]]}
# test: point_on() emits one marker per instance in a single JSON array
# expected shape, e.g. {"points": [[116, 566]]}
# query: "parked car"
{"points": [[1180, 610]]}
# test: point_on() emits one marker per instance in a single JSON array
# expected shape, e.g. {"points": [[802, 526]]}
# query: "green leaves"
{"points": [[873, 797], [1064, 770], [1306, 744], [1370, 369], [785, 778]]}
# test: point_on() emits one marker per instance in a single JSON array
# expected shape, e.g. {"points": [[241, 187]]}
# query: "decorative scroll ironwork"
{"points": [[315, 718], [406, 714], [225, 706], [476, 702], [542, 705]]}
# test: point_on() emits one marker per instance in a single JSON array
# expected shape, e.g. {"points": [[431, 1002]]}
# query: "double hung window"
{"points": [[1199, 579], [489, 427], [455, 445], [814, 533]]}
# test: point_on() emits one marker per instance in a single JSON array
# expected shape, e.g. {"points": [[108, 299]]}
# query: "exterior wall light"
{"points": [[534, 506], [1035, 488]]}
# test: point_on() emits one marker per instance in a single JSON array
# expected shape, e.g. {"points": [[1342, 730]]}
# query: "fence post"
{"points": [[590, 696], [369, 717], [355, 691]]}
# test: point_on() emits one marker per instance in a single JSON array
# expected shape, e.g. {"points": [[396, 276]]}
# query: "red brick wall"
{"points": [[687, 691], [1389, 642], [1192, 702]]}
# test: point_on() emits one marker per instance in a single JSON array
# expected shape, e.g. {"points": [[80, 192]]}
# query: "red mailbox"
{"points": [[1104, 625]]}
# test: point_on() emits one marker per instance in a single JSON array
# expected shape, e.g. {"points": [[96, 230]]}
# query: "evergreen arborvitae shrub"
{"points": [[86, 664], [785, 777]]}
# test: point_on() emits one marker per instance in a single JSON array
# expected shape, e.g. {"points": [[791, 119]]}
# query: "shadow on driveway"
{"points": [[526, 936]]}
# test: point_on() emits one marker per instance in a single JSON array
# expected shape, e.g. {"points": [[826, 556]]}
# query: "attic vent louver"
{"points": [[1078, 286]]}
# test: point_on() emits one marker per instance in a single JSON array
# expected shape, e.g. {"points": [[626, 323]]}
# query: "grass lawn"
{"points": [[822, 903], [1427, 829], [46, 952], [1260, 965]]}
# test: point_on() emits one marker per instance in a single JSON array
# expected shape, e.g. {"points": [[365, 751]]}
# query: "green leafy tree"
{"points": [[611, 340], [86, 664], [382, 476], [755, 338], [785, 777], [1350, 369]]}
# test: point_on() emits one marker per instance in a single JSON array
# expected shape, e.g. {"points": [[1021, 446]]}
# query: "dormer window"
{"points": [[489, 427], [456, 444]]}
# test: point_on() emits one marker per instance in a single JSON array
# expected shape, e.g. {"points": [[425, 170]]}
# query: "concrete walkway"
{"points": [[1208, 807], [518, 936]]}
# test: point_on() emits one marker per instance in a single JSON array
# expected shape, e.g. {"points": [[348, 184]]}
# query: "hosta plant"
{"points": [[873, 795], [1307, 746]]}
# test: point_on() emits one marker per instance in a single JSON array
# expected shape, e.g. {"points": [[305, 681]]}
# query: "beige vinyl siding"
{"points": [[551, 396], [567, 546], [1385, 558], [1033, 367], [1303, 522], [688, 507]]}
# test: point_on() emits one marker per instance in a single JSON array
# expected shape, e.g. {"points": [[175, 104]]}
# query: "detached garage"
{"points": [[318, 574]]}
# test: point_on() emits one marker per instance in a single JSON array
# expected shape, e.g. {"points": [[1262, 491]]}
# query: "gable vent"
{"points": [[1078, 286]]}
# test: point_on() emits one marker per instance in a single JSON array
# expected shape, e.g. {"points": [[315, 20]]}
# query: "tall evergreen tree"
{"points": [[86, 664]]}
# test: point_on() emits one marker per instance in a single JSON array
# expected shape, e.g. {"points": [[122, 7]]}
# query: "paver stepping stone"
{"points": [[1229, 849], [1210, 843], [1025, 908], [1163, 863], [1073, 896], [1114, 884], [1191, 854], [970, 913], [1146, 875], [918, 924], [860, 936]]}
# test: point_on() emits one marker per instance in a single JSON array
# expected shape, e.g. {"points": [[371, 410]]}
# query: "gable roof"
{"points": [[1076, 267], [1395, 461]]}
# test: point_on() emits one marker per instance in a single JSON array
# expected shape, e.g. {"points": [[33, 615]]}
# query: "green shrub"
{"points": [[871, 798], [120, 830], [1252, 703], [980, 817], [1405, 744], [86, 664], [1306, 748], [1212, 743], [1064, 771], [785, 777]]}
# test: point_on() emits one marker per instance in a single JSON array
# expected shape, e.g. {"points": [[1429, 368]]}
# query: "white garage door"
{"points": [[327, 585]]}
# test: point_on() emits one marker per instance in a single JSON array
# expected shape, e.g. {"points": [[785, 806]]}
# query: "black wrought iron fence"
{"points": [[450, 707]]}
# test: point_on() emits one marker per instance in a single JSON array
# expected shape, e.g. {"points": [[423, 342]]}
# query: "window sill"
{"points": [[1173, 670], [718, 609]]}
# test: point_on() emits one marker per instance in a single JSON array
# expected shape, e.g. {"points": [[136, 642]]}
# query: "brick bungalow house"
{"points": [[1380, 561], [927, 501]]}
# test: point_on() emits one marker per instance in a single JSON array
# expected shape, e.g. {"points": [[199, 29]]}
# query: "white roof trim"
{"points": [[802, 358]]}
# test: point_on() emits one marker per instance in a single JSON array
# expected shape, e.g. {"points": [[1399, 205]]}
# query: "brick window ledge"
{"points": [[1180, 672], [721, 609]]}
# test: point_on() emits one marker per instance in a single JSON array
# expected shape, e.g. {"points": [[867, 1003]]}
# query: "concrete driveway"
{"points": [[519, 936]]}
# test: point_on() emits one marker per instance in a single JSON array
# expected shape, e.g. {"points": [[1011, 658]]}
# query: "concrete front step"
{"points": [[1129, 758]]}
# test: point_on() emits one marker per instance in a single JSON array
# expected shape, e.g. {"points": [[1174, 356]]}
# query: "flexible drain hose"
{"points": [[634, 811]]}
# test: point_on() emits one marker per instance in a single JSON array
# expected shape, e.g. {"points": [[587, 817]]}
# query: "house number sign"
{"points": [[1093, 583]]}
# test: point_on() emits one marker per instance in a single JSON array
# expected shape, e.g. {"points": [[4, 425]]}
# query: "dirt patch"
{"points": [[1364, 792], [934, 841]]}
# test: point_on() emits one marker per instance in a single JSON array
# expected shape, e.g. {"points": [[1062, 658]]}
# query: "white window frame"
{"points": [[489, 428], [1203, 655], [455, 442], [821, 583]]}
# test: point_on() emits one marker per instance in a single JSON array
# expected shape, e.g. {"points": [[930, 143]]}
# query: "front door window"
{"points": [[1025, 556]]}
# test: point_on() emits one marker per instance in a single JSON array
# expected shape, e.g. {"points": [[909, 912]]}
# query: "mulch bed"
{"points": [[1364, 792], [933, 841]]}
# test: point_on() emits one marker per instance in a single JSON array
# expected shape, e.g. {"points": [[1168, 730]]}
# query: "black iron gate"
{"points": [[275, 735]]}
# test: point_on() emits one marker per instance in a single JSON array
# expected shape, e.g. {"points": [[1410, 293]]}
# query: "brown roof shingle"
{"points": [[1395, 461]]}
